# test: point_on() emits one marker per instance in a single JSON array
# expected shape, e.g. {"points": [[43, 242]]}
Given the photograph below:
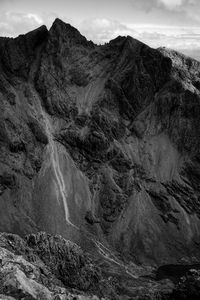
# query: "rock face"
{"points": [[24, 275], [100, 144]]}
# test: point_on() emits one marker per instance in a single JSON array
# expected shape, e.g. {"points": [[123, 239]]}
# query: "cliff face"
{"points": [[101, 145]]}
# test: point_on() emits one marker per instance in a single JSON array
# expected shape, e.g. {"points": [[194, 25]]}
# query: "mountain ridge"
{"points": [[100, 144]]}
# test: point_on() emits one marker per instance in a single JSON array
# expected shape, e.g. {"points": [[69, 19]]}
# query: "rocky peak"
{"points": [[134, 44], [35, 37], [184, 66], [68, 33], [18, 53], [126, 43]]}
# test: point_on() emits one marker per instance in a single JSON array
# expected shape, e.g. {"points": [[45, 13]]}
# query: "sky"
{"points": [[170, 23]]}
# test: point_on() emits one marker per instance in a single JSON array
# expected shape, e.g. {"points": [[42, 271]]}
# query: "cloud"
{"points": [[171, 4], [177, 37], [144, 5], [170, 11], [150, 5], [14, 23], [103, 30], [193, 52], [35, 17], [11, 24], [185, 39]]}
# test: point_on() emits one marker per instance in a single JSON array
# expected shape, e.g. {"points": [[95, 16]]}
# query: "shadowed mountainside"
{"points": [[100, 144]]}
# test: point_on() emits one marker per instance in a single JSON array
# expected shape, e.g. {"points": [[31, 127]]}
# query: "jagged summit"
{"points": [[60, 28], [175, 52], [66, 31], [121, 40], [18, 53], [40, 29], [60, 25], [180, 59]]}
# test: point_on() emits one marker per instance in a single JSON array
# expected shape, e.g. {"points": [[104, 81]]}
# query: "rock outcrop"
{"points": [[24, 275], [100, 144]]}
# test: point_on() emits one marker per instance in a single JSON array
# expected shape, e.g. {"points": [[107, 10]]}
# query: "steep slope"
{"points": [[101, 145]]}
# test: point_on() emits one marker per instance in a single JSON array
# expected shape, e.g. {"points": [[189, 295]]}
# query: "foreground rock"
{"points": [[48, 267], [24, 275]]}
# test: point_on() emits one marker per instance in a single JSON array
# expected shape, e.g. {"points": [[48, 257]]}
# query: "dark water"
{"points": [[174, 272]]}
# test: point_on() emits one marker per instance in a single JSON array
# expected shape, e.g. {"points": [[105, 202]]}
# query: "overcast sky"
{"points": [[170, 23]]}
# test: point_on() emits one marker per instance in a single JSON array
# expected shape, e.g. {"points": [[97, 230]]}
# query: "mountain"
{"points": [[100, 144]]}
